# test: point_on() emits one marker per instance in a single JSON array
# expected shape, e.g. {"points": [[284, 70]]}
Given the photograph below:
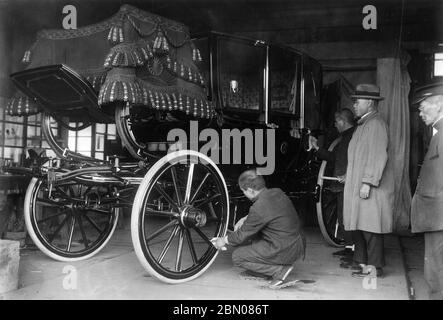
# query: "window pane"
{"points": [[3, 103], [14, 119], [84, 144], [85, 132], [111, 129], [99, 142], [439, 56], [100, 128], [85, 153], [13, 134], [438, 68], [71, 143], [1, 134], [284, 80], [50, 153], [100, 155], [13, 153], [34, 136], [45, 145], [241, 74]]}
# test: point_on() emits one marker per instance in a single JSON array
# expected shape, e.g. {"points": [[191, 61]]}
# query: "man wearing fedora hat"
{"points": [[369, 183], [427, 203]]}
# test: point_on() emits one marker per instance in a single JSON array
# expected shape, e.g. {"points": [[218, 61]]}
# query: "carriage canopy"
{"points": [[133, 57]]}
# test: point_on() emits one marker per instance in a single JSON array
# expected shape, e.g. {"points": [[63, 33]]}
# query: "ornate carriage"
{"points": [[146, 75]]}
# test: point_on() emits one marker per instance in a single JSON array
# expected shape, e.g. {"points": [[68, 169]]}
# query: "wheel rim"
{"points": [[327, 213], [71, 220], [183, 207]]}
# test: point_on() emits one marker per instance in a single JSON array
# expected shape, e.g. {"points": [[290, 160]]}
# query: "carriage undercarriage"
{"points": [[178, 202]]}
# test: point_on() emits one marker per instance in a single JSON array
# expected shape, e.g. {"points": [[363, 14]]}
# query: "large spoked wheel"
{"points": [[180, 205], [327, 202], [69, 222]]}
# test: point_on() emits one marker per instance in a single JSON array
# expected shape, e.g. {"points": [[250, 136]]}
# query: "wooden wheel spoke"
{"points": [[161, 230], [62, 191], [191, 246], [176, 186], [52, 237], [330, 200], [71, 233], [99, 211], [51, 217], [50, 202], [208, 200], [96, 227], [189, 183], [178, 259], [197, 191], [212, 211], [82, 230], [331, 215], [168, 244], [163, 213], [203, 236], [167, 197]]}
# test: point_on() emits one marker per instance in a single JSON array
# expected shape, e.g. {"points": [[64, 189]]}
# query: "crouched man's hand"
{"points": [[220, 243]]}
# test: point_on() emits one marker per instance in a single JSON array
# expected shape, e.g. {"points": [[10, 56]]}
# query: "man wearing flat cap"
{"points": [[369, 184], [427, 203]]}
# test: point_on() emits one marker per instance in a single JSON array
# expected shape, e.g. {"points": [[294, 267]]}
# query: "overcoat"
{"points": [[427, 203], [274, 227], [368, 163]]}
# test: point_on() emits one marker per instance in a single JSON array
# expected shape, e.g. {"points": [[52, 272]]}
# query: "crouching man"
{"points": [[270, 239]]}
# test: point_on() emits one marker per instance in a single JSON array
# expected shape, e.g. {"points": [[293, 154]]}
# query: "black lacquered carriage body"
{"points": [[149, 77]]}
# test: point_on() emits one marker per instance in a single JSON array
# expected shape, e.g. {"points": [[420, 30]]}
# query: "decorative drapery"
{"points": [[394, 82], [134, 57]]}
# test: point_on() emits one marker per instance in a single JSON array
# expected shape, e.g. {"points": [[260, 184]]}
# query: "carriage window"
{"points": [[284, 80], [241, 74]]}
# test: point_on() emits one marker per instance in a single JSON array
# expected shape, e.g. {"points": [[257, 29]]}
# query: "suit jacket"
{"points": [[274, 226], [427, 203], [338, 156]]}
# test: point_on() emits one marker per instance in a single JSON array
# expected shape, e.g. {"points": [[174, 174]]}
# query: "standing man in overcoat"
{"points": [[369, 183], [427, 203]]}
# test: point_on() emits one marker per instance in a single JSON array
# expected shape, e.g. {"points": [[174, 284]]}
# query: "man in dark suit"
{"points": [[427, 203], [274, 228], [345, 124]]}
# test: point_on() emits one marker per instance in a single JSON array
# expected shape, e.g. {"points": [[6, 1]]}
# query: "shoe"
{"points": [[353, 266], [251, 275], [343, 253], [281, 280], [280, 284], [364, 273]]}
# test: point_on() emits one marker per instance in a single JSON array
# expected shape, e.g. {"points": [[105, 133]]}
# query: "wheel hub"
{"points": [[192, 217]]}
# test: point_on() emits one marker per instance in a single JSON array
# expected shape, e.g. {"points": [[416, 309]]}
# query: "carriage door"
{"points": [[284, 88], [241, 78]]}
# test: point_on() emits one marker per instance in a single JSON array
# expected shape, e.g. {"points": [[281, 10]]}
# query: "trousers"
{"points": [[369, 248], [433, 265], [347, 235], [249, 258]]}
